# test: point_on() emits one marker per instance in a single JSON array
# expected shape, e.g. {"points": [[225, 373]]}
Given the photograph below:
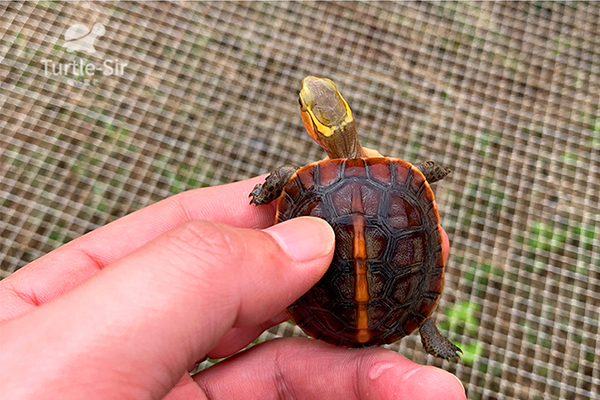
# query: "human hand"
{"points": [[125, 311]]}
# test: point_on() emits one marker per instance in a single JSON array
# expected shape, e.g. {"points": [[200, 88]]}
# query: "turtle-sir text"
{"points": [[78, 67]]}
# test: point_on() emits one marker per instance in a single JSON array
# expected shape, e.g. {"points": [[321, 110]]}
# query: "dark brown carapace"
{"points": [[388, 269]]}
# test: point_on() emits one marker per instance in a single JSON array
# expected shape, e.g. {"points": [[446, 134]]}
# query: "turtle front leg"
{"points": [[435, 343], [264, 193], [432, 171]]}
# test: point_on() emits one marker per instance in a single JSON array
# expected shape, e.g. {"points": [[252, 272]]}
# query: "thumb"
{"points": [[249, 276], [166, 304]]}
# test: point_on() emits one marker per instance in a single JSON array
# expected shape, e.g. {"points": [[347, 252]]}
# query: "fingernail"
{"points": [[304, 238], [458, 380], [415, 382]]}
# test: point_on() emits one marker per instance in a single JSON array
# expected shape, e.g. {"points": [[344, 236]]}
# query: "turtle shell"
{"points": [[387, 272]]}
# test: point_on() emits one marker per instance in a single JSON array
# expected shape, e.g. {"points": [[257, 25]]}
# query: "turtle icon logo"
{"points": [[80, 38]]}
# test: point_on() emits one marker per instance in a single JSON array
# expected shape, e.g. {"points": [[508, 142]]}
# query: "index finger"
{"points": [[64, 268]]}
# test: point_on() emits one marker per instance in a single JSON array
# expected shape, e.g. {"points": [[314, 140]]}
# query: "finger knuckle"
{"points": [[202, 240], [202, 251]]}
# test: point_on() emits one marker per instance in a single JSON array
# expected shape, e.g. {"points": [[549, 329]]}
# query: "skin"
{"points": [[125, 311]]}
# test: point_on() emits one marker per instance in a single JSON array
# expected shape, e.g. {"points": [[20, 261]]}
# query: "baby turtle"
{"points": [[387, 272]]}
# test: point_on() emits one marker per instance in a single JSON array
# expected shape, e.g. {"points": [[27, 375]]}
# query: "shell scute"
{"points": [[378, 283], [405, 287], [370, 199], [344, 284], [436, 283], [417, 180], [329, 320], [379, 170], [292, 189], [315, 209], [427, 305], [375, 239], [412, 324], [341, 199], [379, 311], [330, 173], [355, 167], [397, 317], [346, 311], [344, 235], [400, 171], [409, 250], [307, 177], [401, 213]]}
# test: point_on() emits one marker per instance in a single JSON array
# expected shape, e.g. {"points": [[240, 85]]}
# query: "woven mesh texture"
{"points": [[505, 94]]}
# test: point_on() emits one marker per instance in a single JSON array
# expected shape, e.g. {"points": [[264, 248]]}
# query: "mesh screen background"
{"points": [[505, 94]]}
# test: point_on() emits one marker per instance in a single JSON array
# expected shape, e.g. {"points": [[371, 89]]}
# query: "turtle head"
{"points": [[328, 118]]}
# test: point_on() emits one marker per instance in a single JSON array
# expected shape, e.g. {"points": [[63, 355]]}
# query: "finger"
{"points": [[156, 311], [445, 245], [68, 266], [238, 338], [306, 369], [186, 389]]}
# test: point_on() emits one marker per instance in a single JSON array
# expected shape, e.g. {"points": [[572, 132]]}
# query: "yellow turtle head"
{"points": [[324, 111]]}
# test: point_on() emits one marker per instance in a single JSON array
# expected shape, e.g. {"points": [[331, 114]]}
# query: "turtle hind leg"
{"points": [[432, 171], [435, 343], [264, 193]]}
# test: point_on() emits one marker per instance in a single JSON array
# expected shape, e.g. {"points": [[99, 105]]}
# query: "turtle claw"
{"points": [[432, 171], [266, 192], [255, 194], [435, 343]]}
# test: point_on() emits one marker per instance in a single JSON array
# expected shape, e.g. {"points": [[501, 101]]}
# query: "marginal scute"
{"points": [[428, 305], [433, 216], [416, 180], [436, 285], [330, 173], [300, 313], [379, 170], [284, 206], [401, 170], [355, 167], [307, 177], [314, 209], [427, 196], [412, 324], [293, 188]]}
